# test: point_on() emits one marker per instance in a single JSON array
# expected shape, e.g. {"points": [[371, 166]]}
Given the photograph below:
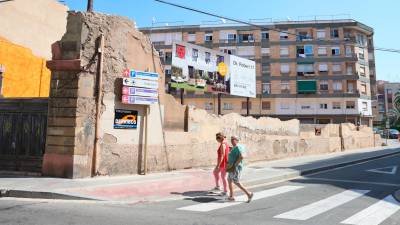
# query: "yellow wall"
{"points": [[25, 75]]}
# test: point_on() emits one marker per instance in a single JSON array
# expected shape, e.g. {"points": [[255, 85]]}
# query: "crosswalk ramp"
{"points": [[373, 214]]}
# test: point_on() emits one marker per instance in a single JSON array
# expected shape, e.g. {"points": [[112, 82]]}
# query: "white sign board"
{"points": [[242, 76], [133, 82]]}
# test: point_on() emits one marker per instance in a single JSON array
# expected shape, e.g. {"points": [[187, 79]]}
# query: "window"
{"points": [[284, 106], [231, 37], [323, 67], [246, 38], [305, 69], [228, 51], [264, 35], [167, 72], [168, 57], [361, 54], [265, 51], [350, 105], [323, 85], [321, 34], [244, 105], [208, 57], [284, 51], [336, 105], [265, 68], [361, 40], [323, 106], [309, 50], [335, 50], [208, 106], [362, 71], [285, 87], [227, 106], [349, 51], [349, 70], [334, 33], [337, 86], [363, 88], [283, 35], [266, 105], [300, 52], [364, 106], [336, 67], [191, 37], [322, 51], [208, 37], [285, 69], [195, 55], [266, 88]]}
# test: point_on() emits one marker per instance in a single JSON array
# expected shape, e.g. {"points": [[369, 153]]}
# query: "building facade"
{"points": [[315, 71]]}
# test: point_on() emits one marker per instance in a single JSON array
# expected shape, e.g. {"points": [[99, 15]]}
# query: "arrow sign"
{"points": [[385, 170], [133, 82]]}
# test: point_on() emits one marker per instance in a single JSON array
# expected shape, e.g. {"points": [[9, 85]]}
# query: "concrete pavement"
{"points": [[179, 184], [359, 194]]}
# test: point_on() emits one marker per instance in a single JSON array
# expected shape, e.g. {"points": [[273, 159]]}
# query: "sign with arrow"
{"points": [[133, 82], [385, 170]]}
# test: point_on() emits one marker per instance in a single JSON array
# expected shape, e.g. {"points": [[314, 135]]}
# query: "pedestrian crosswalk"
{"points": [[373, 214]]}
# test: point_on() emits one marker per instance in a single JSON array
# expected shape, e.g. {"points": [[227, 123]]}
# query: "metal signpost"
{"points": [[141, 88]]}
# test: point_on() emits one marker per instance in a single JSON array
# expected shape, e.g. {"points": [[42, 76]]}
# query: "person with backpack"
{"points": [[220, 169], [235, 167]]}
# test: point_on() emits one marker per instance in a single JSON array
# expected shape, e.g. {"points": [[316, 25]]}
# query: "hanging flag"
{"points": [[180, 51]]}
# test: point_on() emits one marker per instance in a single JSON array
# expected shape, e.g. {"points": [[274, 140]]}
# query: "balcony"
{"points": [[228, 41]]}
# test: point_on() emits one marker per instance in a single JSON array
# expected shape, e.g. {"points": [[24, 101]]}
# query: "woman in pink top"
{"points": [[220, 169]]}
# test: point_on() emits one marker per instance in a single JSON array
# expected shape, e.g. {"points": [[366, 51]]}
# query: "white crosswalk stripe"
{"points": [[376, 213], [322, 206], [206, 207]]}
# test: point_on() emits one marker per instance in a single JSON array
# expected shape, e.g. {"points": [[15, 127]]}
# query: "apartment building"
{"points": [[320, 71]]}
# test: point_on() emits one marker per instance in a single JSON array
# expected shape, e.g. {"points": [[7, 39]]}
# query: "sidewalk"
{"points": [[179, 184]]}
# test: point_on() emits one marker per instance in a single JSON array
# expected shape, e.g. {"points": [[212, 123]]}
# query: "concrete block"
{"points": [[60, 140], [59, 149], [61, 121], [62, 131]]}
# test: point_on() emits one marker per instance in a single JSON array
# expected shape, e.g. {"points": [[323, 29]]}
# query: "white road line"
{"points": [[376, 213], [205, 207], [322, 206]]}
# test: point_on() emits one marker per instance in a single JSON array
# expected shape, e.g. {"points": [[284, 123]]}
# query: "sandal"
{"points": [[250, 197], [231, 199]]}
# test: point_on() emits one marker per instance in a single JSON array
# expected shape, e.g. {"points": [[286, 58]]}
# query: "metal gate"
{"points": [[23, 124]]}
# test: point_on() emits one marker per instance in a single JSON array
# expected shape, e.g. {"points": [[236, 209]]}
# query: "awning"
{"points": [[306, 86]]}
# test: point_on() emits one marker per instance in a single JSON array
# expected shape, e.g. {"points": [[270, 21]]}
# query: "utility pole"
{"points": [[90, 6]]}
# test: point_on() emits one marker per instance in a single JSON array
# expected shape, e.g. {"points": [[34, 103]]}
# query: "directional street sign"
{"points": [[139, 91], [140, 75], [385, 170], [133, 82], [139, 100]]}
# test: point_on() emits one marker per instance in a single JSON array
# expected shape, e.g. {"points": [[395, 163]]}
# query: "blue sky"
{"points": [[382, 15]]}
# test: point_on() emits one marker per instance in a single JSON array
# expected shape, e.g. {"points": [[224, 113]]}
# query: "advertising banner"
{"points": [[196, 68], [125, 119], [135, 82], [243, 77], [139, 100]]}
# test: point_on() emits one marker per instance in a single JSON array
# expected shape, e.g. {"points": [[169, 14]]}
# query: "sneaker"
{"points": [[224, 194], [216, 189]]}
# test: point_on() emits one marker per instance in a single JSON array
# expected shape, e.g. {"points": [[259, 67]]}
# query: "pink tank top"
{"points": [[225, 160]]}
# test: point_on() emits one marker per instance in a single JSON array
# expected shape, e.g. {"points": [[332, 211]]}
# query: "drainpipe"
{"points": [[100, 52]]}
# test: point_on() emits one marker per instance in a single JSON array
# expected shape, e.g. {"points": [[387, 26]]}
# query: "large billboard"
{"points": [[198, 68]]}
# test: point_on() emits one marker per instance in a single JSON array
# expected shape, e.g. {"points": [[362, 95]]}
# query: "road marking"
{"points": [[393, 170], [353, 181], [376, 213], [322, 206], [205, 207]]}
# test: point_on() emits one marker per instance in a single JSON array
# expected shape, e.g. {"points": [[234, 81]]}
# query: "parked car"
{"points": [[393, 134]]}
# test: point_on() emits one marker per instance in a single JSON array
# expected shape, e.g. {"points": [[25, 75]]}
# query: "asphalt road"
{"points": [[359, 194]]}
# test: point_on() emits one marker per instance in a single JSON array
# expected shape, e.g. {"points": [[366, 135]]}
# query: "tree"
{"points": [[394, 113], [90, 6]]}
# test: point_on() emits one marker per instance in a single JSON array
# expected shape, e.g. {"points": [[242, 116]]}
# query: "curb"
{"points": [[317, 170], [39, 195]]}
